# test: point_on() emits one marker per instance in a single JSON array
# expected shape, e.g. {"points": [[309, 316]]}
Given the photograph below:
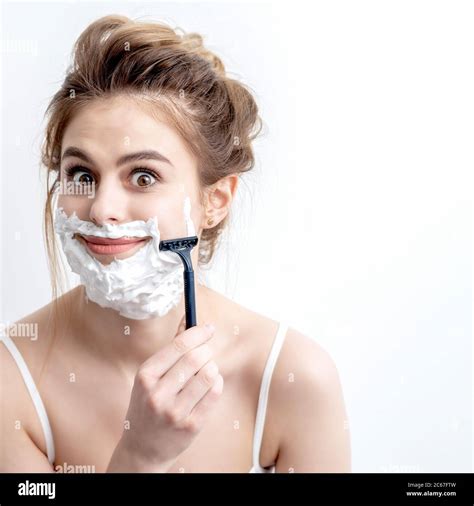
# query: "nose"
{"points": [[108, 204]]}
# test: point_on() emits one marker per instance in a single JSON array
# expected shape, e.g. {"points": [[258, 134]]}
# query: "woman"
{"points": [[148, 119]]}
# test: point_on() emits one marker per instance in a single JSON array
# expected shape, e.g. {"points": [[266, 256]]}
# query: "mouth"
{"points": [[106, 246]]}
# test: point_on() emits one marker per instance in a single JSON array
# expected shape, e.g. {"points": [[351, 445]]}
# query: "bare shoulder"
{"points": [[307, 399], [30, 338], [21, 432], [19, 451], [29, 334], [304, 367], [21, 441], [306, 423], [300, 355]]}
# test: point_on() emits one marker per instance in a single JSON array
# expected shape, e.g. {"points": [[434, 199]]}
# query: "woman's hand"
{"points": [[173, 394]]}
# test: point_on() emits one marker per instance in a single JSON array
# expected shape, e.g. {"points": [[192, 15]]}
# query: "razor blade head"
{"points": [[183, 243]]}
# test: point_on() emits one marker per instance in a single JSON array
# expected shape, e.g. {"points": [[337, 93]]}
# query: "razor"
{"points": [[183, 247]]}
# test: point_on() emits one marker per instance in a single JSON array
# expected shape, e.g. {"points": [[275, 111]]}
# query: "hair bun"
{"points": [[194, 42]]}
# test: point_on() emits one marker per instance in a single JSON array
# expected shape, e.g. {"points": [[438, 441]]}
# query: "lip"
{"points": [[106, 246]]}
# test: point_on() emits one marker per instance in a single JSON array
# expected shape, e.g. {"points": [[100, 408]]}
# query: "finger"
{"points": [[202, 409], [190, 364], [161, 361], [195, 389]]}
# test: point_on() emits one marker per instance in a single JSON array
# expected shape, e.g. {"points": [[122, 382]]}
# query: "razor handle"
{"points": [[189, 298]]}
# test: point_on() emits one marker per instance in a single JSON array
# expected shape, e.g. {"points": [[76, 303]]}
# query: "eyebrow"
{"points": [[149, 154]]}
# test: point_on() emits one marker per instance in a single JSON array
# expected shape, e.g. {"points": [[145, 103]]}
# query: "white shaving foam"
{"points": [[144, 285]]}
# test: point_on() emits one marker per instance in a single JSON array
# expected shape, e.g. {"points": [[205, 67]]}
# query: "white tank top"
{"points": [[259, 419]]}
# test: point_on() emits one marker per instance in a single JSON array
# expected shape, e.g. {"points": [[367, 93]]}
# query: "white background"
{"points": [[356, 225]]}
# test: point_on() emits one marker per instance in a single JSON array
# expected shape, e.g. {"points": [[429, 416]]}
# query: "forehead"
{"points": [[108, 128]]}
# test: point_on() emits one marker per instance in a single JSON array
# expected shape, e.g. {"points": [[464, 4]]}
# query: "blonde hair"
{"points": [[216, 115]]}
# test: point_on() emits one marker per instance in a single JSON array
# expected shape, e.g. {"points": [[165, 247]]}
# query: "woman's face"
{"points": [[94, 143]]}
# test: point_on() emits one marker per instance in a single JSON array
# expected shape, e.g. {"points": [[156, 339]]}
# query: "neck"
{"points": [[127, 343]]}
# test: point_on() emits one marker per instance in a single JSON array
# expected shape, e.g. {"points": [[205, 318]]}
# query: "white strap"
{"points": [[37, 401], [264, 390]]}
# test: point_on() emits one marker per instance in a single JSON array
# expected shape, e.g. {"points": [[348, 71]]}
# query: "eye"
{"points": [[71, 172], [141, 177], [145, 178]]}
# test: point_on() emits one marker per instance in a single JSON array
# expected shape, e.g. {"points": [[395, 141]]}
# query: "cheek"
{"points": [[70, 204], [171, 217]]}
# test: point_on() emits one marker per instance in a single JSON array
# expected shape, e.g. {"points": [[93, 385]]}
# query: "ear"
{"points": [[219, 199]]}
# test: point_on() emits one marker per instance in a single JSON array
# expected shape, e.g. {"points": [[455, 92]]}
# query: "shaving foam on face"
{"points": [[144, 285]]}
